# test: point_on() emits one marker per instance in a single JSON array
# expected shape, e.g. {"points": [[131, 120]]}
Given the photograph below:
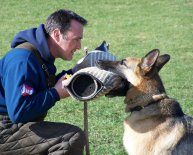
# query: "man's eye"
{"points": [[77, 39]]}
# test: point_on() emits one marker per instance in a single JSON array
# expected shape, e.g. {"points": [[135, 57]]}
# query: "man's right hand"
{"points": [[59, 86]]}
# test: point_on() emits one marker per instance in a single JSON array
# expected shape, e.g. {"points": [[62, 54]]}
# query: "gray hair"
{"points": [[61, 19]]}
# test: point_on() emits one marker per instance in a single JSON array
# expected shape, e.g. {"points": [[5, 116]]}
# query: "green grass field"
{"points": [[132, 28]]}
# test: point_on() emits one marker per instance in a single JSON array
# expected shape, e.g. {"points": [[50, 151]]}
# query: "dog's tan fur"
{"points": [[156, 124]]}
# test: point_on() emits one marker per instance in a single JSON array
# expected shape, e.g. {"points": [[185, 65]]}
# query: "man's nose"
{"points": [[78, 46]]}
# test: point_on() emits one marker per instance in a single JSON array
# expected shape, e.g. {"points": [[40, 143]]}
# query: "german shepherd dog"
{"points": [[156, 124]]}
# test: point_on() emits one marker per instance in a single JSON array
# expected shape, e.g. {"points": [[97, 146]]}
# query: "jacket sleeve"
{"points": [[25, 92]]}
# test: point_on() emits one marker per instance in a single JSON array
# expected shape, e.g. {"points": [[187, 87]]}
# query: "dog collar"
{"points": [[154, 99]]}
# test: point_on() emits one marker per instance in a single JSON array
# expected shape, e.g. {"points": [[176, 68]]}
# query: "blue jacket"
{"points": [[24, 94]]}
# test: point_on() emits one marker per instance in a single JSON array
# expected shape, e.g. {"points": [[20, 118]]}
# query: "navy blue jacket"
{"points": [[24, 94]]}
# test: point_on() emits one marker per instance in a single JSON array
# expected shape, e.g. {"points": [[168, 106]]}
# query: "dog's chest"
{"points": [[137, 143], [153, 140]]}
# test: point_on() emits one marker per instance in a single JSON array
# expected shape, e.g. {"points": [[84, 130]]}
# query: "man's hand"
{"points": [[59, 86]]}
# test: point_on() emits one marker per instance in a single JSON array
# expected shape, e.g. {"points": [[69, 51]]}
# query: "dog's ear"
{"points": [[149, 60], [161, 61]]}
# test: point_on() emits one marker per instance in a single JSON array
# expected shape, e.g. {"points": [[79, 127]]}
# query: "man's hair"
{"points": [[61, 19]]}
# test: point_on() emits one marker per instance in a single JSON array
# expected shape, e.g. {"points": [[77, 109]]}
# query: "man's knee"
{"points": [[77, 142], [78, 139], [72, 142]]}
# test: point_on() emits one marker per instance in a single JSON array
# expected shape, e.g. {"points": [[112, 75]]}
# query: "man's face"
{"points": [[71, 41]]}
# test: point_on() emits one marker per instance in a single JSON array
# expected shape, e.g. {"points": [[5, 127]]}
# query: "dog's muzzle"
{"points": [[92, 82], [84, 86]]}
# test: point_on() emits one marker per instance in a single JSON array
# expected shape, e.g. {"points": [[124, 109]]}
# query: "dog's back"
{"points": [[185, 144]]}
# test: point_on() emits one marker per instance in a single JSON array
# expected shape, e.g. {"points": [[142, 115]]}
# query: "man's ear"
{"points": [[56, 35], [149, 60], [161, 61]]}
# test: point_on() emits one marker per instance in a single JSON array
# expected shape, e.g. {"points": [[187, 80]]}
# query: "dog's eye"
{"points": [[122, 62]]}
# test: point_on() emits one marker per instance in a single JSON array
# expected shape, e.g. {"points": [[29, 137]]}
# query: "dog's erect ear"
{"points": [[149, 60], [161, 61]]}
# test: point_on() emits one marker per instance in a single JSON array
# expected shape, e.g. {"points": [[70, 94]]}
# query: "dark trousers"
{"points": [[40, 138]]}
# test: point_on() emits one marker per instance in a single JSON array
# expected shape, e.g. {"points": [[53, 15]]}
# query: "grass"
{"points": [[132, 28]]}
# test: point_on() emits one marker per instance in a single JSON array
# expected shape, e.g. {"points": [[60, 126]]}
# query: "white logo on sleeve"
{"points": [[26, 90]]}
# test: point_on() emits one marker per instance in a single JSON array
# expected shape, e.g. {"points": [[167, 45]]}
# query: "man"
{"points": [[28, 89]]}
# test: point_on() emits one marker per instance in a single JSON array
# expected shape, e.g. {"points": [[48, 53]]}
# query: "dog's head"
{"points": [[142, 74]]}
